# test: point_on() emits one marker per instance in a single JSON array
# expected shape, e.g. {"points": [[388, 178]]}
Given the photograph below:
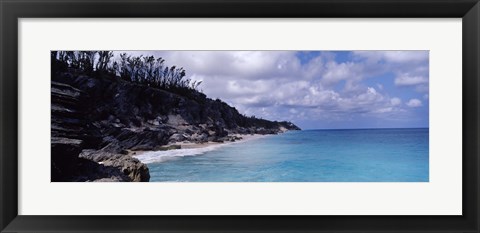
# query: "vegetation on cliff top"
{"points": [[145, 70]]}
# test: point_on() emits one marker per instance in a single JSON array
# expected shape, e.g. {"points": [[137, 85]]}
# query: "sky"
{"points": [[315, 89]]}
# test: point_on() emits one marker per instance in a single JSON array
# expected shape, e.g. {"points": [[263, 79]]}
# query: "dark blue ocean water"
{"points": [[361, 155]]}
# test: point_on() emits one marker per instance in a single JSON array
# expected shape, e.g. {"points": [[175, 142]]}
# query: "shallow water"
{"points": [[363, 155]]}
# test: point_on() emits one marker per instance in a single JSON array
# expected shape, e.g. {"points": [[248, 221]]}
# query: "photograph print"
{"points": [[240, 116]]}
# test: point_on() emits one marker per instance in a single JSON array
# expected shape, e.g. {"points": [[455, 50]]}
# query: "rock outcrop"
{"points": [[67, 131], [110, 116], [131, 169], [71, 133]]}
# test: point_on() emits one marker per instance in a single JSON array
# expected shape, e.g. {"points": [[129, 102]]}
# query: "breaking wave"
{"points": [[162, 156]]}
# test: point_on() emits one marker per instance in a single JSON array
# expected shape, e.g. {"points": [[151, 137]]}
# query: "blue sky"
{"points": [[315, 89]]}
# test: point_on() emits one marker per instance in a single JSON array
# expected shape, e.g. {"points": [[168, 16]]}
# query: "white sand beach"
{"points": [[188, 149]]}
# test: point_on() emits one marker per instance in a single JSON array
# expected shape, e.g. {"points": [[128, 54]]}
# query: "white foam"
{"points": [[162, 156]]}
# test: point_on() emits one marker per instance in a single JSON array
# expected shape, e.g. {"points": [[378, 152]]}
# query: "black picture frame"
{"points": [[11, 11]]}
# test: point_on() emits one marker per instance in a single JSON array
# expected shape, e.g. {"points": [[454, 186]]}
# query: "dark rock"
{"points": [[218, 140], [88, 170], [169, 147], [199, 137], [177, 138], [128, 166], [64, 157]]}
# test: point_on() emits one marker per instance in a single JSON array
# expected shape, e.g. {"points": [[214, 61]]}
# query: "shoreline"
{"points": [[181, 149], [194, 145]]}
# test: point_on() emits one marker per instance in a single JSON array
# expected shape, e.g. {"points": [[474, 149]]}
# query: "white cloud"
{"points": [[422, 88], [394, 56], [410, 80], [395, 101], [414, 103], [335, 72], [405, 56]]}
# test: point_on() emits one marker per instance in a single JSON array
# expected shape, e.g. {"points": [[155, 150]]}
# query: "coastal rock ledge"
{"points": [[99, 120], [71, 133], [131, 169]]}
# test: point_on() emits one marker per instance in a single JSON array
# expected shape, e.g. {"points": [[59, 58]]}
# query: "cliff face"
{"points": [[111, 116], [72, 132]]}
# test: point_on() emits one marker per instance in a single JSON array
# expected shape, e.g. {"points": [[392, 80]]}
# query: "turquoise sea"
{"points": [[356, 155]]}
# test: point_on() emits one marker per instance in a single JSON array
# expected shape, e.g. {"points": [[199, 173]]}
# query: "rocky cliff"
{"points": [[106, 117], [72, 132]]}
